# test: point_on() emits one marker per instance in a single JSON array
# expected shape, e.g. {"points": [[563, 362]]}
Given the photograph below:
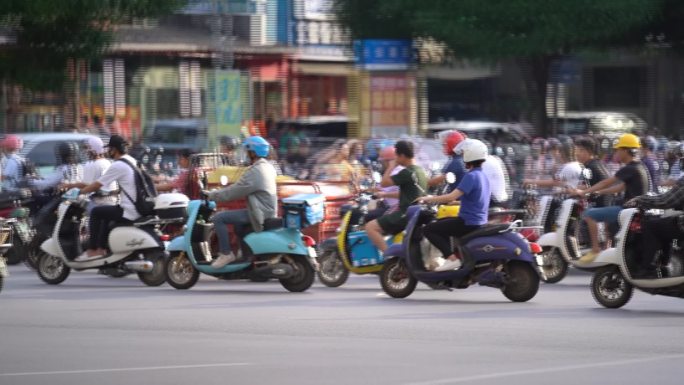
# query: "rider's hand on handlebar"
{"points": [[574, 192], [634, 202], [204, 194], [425, 199]]}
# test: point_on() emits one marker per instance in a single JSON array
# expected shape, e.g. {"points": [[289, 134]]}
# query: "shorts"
{"points": [[393, 223], [604, 214]]}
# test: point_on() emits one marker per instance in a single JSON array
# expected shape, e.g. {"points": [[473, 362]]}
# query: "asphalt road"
{"points": [[97, 330]]}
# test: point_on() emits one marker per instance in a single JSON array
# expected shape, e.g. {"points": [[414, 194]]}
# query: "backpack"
{"points": [[145, 192]]}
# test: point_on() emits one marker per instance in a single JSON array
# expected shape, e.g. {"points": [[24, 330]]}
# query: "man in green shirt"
{"points": [[412, 184]]}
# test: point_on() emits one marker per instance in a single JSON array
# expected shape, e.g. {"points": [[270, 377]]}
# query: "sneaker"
{"points": [[588, 257], [450, 264], [85, 257], [222, 260]]}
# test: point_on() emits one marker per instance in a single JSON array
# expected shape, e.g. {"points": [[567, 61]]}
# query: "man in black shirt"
{"points": [[632, 179], [585, 153]]}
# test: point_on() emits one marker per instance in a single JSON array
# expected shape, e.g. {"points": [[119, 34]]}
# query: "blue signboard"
{"points": [[383, 54]]}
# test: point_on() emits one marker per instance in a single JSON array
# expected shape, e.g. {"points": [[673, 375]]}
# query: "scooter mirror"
{"points": [[224, 180], [377, 178], [434, 167], [450, 177], [586, 173]]}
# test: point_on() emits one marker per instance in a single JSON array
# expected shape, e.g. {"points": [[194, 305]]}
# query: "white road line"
{"points": [[87, 371], [456, 380]]}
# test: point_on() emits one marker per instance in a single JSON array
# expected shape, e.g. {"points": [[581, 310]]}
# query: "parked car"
{"points": [[39, 149], [606, 123]]}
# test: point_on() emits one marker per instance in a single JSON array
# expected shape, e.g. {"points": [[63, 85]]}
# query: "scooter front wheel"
{"points": [[52, 269], [180, 272], [331, 271], [610, 288], [303, 276], [396, 279], [555, 267]]}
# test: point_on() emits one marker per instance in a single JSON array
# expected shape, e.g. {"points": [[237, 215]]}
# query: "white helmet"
{"points": [[472, 150], [95, 145]]}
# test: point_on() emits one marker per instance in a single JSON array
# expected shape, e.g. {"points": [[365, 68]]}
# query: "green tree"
{"points": [[47, 33], [532, 32]]}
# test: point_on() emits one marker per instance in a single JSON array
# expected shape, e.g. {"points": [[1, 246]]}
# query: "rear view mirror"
{"points": [[450, 177], [586, 173], [377, 178], [434, 167], [223, 180]]}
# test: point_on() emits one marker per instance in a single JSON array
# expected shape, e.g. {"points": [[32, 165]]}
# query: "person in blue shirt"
{"points": [[455, 164], [474, 192]]}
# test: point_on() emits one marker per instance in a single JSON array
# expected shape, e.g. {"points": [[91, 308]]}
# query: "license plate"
{"points": [[3, 268]]}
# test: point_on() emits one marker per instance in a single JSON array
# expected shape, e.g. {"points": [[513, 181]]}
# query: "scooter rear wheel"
{"points": [[396, 279], [610, 288], [157, 276], [331, 271], [522, 281], [303, 277], [555, 267], [180, 272], [52, 269]]}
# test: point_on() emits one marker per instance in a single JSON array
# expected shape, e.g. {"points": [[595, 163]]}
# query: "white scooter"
{"points": [[132, 247], [562, 248], [612, 285]]}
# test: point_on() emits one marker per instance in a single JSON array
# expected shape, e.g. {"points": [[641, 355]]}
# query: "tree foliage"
{"points": [[534, 32], [47, 33]]}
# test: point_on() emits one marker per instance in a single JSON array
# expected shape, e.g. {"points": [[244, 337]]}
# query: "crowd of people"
{"points": [[610, 178]]}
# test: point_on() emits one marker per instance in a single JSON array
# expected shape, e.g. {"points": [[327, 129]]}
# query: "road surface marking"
{"points": [[481, 377], [87, 371]]}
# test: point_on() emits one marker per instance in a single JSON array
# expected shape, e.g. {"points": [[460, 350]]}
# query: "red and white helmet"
{"points": [[387, 153], [451, 141], [12, 143]]}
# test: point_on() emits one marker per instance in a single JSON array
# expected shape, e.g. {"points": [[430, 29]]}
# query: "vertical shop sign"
{"points": [[228, 102]]}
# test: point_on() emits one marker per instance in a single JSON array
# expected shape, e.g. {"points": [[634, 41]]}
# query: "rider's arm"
{"points": [[387, 180], [446, 198], [671, 199], [602, 185], [388, 194], [247, 184], [612, 189], [436, 180]]}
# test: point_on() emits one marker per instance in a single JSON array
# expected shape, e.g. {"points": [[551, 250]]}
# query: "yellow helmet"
{"points": [[628, 141]]}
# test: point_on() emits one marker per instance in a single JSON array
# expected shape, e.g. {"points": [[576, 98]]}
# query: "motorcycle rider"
{"points": [[474, 193], [659, 232], [585, 152], [632, 178], [67, 171], [258, 184], [93, 169], [569, 173], [122, 174], [651, 162], [228, 144], [412, 183], [13, 164], [455, 164], [389, 195]]}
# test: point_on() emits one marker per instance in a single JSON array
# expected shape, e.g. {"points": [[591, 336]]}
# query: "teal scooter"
{"points": [[280, 251]]}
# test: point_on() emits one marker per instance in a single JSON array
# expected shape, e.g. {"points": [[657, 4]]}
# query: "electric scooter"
{"points": [[494, 255], [280, 251], [613, 284], [132, 246]]}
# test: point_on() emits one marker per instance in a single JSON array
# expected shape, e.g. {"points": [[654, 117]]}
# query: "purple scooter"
{"points": [[494, 255]]}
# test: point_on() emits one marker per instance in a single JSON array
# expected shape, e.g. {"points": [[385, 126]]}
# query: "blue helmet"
{"points": [[258, 145]]}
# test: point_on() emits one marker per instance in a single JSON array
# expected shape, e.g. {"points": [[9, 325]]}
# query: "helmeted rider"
{"points": [[13, 164], [68, 169], [122, 173], [474, 192], [455, 164], [93, 169], [258, 184]]}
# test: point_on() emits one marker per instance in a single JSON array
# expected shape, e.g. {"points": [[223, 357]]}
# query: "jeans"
{"points": [[238, 218], [439, 233], [100, 220], [608, 214]]}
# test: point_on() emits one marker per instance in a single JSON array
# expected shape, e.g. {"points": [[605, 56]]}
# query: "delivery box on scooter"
{"points": [[362, 250], [302, 210]]}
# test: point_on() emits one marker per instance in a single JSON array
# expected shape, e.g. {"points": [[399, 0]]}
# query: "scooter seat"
{"points": [[273, 223], [483, 232]]}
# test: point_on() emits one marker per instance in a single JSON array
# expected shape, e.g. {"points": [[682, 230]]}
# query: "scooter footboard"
{"points": [[608, 256]]}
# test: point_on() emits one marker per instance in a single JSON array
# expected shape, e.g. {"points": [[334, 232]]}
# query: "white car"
{"points": [[39, 148]]}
